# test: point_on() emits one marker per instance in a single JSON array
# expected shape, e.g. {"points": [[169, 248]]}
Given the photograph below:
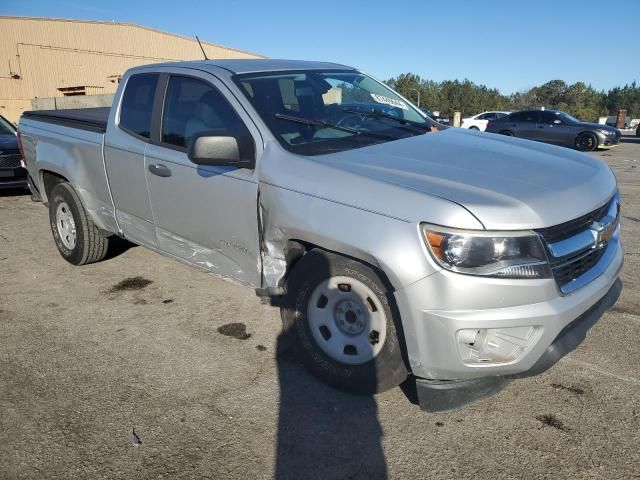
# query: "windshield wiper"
{"points": [[322, 123], [379, 114]]}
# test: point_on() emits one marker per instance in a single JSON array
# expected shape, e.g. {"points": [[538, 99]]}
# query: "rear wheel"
{"points": [[344, 321], [586, 142], [507, 133], [474, 128], [78, 239]]}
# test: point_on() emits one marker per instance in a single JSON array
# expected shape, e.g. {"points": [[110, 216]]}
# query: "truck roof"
{"points": [[256, 65]]}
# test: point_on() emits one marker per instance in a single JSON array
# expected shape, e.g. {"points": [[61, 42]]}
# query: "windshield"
{"points": [[565, 117], [318, 112], [6, 128]]}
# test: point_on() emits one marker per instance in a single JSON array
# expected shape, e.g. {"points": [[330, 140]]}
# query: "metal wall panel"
{"points": [[39, 56]]}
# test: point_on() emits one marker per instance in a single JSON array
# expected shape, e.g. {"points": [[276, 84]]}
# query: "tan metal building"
{"points": [[46, 57]]}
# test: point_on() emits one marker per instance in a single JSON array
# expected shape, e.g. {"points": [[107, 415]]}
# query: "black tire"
{"points": [[474, 128], [586, 142], [386, 370], [90, 245], [507, 133]]}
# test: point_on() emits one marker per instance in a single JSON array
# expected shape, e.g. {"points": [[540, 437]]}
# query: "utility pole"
{"points": [[418, 91]]}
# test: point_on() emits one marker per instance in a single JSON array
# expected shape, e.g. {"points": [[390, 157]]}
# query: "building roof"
{"points": [[126, 24], [258, 65]]}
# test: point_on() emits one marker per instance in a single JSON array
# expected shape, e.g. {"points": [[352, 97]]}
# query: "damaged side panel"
{"points": [[379, 240], [214, 261]]}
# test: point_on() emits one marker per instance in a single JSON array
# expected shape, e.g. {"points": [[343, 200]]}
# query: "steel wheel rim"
{"points": [[66, 225], [347, 320]]}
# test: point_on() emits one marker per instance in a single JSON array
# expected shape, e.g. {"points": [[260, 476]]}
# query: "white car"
{"points": [[479, 121]]}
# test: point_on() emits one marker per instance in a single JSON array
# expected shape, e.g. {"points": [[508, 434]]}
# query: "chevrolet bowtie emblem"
{"points": [[603, 230]]}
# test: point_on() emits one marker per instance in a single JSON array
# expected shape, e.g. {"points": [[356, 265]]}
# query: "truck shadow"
{"points": [[14, 192], [117, 246], [323, 433]]}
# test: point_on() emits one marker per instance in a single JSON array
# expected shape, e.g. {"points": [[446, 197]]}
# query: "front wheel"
{"points": [[78, 239], [474, 128], [586, 142], [345, 322]]}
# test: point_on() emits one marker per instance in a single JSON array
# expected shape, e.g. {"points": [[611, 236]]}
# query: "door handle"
{"points": [[159, 170]]}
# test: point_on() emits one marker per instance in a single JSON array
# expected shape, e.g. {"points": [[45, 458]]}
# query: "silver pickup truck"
{"points": [[392, 244]]}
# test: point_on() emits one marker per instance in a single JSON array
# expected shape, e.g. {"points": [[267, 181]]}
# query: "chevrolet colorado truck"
{"points": [[393, 245]]}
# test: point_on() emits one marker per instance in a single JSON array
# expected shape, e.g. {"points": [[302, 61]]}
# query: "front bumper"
{"points": [[607, 141], [435, 308], [439, 396], [13, 178]]}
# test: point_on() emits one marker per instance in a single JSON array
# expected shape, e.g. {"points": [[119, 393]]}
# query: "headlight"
{"points": [[606, 132], [490, 254]]}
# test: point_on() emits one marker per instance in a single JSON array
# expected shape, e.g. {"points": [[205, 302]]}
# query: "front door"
{"points": [[205, 215], [552, 129]]}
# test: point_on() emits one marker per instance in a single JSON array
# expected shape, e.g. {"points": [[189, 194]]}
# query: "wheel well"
{"points": [[296, 249], [506, 132], [587, 131], [50, 180]]}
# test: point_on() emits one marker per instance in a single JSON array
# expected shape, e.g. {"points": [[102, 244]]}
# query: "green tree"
{"points": [[469, 98]]}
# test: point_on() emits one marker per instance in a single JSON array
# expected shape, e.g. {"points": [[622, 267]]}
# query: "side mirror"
{"points": [[207, 148], [557, 121]]}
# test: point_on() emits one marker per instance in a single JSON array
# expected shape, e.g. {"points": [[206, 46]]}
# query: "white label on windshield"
{"points": [[389, 101]]}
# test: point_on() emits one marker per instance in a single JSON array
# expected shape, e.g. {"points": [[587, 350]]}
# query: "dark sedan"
{"points": [[12, 175], [553, 126]]}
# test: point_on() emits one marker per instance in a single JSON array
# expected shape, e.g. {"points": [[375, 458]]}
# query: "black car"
{"points": [[554, 126], [12, 175]]}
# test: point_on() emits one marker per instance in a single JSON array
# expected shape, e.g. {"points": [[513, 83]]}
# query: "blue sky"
{"points": [[509, 45]]}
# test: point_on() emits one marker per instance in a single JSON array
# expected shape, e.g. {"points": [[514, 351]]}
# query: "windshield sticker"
{"points": [[389, 101]]}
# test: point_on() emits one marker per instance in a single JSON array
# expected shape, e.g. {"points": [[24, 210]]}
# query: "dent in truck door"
{"points": [[205, 215], [125, 145]]}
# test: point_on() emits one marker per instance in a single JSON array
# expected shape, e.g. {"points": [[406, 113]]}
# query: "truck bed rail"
{"points": [[93, 119]]}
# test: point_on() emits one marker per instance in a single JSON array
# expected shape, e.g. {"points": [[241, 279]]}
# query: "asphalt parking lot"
{"points": [[119, 370]]}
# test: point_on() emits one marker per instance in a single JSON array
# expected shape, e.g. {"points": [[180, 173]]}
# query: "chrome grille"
{"points": [[569, 229], [10, 161], [568, 270], [576, 251]]}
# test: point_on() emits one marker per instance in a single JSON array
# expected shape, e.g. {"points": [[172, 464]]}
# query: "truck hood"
{"points": [[506, 183]]}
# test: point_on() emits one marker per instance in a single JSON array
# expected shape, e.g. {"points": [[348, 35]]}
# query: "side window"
{"points": [[484, 116], [500, 114], [529, 117], [193, 106], [514, 117], [489, 116], [137, 104], [547, 117]]}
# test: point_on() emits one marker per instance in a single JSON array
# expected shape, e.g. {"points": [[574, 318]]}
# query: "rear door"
{"points": [[128, 134], [527, 125], [205, 215]]}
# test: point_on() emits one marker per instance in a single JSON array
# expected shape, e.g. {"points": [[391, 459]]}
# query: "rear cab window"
{"points": [[136, 107]]}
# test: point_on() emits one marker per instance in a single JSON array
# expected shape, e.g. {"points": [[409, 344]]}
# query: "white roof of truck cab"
{"points": [[238, 66]]}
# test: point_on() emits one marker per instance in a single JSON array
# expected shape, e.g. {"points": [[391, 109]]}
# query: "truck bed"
{"points": [[93, 119]]}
